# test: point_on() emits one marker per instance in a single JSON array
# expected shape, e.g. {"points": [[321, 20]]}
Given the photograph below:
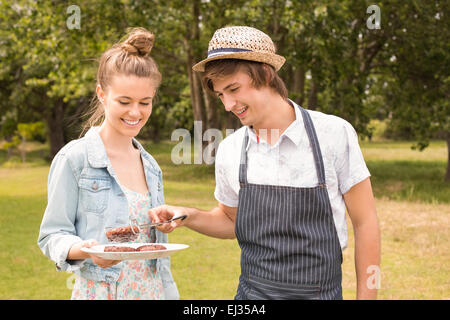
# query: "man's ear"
{"points": [[267, 74]]}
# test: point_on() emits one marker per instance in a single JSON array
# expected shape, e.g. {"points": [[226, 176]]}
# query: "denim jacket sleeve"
{"points": [[58, 233]]}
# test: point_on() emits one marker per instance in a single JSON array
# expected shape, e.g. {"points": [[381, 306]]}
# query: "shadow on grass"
{"points": [[410, 180]]}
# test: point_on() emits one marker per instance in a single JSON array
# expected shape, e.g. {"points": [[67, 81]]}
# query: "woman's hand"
{"points": [[76, 254]]}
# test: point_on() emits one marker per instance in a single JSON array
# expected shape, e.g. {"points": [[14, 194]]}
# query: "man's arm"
{"points": [[218, 222], [360, 205]]}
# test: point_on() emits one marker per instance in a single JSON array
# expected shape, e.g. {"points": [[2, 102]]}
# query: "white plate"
{"points": [[143, 255]]}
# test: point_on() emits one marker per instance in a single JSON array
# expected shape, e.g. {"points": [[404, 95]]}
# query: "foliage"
{"points": [[335, 63], [25, 132]]}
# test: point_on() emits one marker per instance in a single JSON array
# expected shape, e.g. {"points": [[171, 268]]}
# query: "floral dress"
{"points": [[139, 279]]}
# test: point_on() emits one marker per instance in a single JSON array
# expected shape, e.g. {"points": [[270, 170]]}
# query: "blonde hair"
{"points": [[128, 57]]}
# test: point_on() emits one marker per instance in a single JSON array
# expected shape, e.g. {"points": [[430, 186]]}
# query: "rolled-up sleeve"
{"points": [[349, 162], [224, 191], [57, 233]]}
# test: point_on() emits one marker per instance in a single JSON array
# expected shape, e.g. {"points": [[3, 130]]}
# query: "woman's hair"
{"points": [[261, 74], [129, 57]]}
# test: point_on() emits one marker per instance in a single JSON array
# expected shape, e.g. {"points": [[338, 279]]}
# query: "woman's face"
{"points": [[128, 104]]}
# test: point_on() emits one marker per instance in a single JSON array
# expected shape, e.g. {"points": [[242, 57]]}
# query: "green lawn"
{"points": [[400, 173], [412, 203]]}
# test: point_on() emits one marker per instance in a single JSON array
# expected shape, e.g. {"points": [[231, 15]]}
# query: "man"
{"points": [[283, 181]]}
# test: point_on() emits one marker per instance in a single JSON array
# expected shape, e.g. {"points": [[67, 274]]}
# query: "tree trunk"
{"points": [[312, 98], [23, 151], [212, 117], [195, 86], [55, 123], [447, 174], [299, 85], [191, 39]]}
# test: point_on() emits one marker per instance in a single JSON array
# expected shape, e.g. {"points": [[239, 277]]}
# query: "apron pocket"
{"points": [[263, 289]]}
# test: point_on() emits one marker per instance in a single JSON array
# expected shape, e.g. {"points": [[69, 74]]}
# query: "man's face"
{"points": [[240, 97]]}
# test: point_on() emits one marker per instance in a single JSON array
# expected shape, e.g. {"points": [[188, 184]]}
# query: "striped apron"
{"points": [[289, 245]]}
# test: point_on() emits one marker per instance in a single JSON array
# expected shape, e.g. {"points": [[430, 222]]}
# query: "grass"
{"points": [[412, 204], [400, 173]]}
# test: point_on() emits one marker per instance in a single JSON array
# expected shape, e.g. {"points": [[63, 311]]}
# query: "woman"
{"points": [[107, 178]]}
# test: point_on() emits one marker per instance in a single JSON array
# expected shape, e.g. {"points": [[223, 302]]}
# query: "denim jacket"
{"points": [[84, 197]]}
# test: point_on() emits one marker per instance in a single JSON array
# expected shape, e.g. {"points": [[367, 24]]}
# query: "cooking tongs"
{"points": [[155, 224]]}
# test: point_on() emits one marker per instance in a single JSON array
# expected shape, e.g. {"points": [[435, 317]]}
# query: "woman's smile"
{"points": [[131, 123]]}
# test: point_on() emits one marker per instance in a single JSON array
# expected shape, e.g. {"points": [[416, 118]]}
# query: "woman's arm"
{"points": [[57, 233], [58, 238], [75, 253]]}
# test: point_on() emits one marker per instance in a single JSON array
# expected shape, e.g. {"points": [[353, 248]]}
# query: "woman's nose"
{"points": [[134, 111]]}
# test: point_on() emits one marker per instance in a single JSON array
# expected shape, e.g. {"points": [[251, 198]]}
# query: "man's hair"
{"points": [[261, 74]]}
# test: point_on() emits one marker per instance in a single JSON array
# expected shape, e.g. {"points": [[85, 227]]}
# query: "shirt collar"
{"points": [[293, 132]]}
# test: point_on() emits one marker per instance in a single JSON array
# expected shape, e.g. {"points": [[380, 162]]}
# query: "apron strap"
{"points": [[243, 163], [309, 126]]}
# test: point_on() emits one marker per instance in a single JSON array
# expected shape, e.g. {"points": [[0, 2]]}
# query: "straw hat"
{"points": [[239, 42]]}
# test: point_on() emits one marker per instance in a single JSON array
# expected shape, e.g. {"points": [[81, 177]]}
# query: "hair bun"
{"points": [[139, 42]]}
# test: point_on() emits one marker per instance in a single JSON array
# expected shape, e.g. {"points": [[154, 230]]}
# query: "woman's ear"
{"points": [[100, 94]]}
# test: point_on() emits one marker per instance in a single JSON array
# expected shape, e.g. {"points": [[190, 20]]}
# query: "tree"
{"points": [[46, 70], [27, 132], [415, 69], [335, 63]]}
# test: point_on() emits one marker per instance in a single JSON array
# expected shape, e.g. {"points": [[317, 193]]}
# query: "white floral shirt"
{"points": [[290, 162]]}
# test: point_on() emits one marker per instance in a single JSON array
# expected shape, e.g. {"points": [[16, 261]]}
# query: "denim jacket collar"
{"points": [[96, 152]]}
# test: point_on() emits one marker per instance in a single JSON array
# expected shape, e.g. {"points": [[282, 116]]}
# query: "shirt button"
{"points": [[109, 278], [94, 185]]}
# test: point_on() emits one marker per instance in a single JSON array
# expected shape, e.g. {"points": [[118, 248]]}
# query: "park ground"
{"points": [[413, 206]]}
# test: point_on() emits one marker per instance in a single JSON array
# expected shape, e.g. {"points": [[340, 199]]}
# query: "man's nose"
{"points": [[228, 102]]}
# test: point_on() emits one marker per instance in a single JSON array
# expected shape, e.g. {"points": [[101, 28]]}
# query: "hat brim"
{"points": [[274, 60]]}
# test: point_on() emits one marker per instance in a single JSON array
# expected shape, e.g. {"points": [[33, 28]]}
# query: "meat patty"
{"points": [[151, 247], [118, 249], [122, 234]]}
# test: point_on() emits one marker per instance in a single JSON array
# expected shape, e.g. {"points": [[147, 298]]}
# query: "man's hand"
{"points": [[218, 222], [164, 213]]}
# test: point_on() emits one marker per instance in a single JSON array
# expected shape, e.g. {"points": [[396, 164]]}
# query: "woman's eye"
{"points": [[234, 89], [124, 103], [145, 103]]}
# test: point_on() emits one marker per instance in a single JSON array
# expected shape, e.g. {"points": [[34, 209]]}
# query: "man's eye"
{"points": [[123, 102], [234, 89], [145, 103]]}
